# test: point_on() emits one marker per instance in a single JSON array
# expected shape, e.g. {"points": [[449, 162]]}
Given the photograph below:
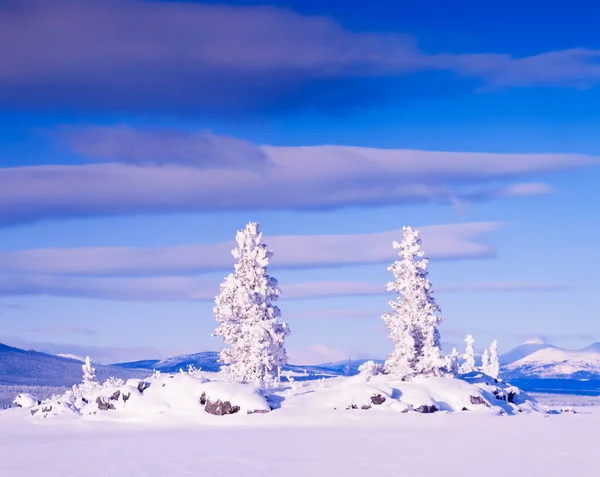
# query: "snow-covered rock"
{"points": [[26, 401], [241, 397]]}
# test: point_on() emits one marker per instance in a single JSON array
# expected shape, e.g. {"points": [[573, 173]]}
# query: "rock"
{"points": [[425, 409], [258, 411], [377, 399], [142, 386], [464, 409], [126, 397], [47, 409], [220, 408], [352, 406], [479, 400], [203, 399], [365, 407], [511, 397], [116, 395], [104, 404]]}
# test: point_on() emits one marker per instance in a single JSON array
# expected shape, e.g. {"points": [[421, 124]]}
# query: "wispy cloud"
{"points": [[502, 287], [61, 330], [199, 149], [89, 54], [190, 288], [300, 178], [318, 354], [448, 241]]}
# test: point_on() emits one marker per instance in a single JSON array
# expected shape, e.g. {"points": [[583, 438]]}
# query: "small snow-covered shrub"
{"points": [[370, 368]]}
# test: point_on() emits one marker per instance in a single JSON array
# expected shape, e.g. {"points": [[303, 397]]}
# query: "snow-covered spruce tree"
{"points": [[415, 317], [485, 362], [494, 366], [469, 365], [248, 319], [88, 384]]}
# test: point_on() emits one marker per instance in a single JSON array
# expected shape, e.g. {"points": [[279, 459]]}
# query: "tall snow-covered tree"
{"points": [[89, 373], [494, 366], [415, 314], [88, 384], [469, 365], [248, 318], [485, 362]]}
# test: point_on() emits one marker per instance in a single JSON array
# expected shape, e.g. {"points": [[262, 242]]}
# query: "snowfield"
{"points": [[347, 443]]}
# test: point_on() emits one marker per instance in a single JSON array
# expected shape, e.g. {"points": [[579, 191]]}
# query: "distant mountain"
{"points": [[552, 362], [525, 349], [593, 348], [23, 367], [207, 361]]}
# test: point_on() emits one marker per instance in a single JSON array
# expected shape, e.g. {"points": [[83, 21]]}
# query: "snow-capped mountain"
{"points": [[19, 366], [542, 360], [593, 348], [525, 349]]}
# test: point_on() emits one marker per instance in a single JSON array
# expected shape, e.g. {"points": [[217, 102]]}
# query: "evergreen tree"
{"points": [[248, 319], [485, 362], [494, 366], [89, 373], [469, 365], [88, 385], [415, 317]]}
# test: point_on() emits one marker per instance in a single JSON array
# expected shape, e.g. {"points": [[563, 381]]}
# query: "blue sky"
{"points": [[111, 148]]}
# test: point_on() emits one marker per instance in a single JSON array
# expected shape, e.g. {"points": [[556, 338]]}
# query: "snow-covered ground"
{"points": [[353, 426], [348, 443]]}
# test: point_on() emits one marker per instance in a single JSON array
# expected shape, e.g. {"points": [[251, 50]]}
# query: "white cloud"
{"points": [[308, 178], [317, 354], [191, 288], [451, 241]]}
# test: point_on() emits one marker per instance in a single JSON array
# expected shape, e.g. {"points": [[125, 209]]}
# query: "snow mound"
{"points": [[478, 392], [193, 398], [174, 394]]}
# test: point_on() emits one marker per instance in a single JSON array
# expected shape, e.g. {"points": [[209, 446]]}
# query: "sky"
{"points": [[137, 137]]}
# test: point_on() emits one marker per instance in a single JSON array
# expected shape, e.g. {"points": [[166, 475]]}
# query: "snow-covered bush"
{"points": [[491, 362], [469, 365], [415, 317], [248, 318], [370, 368], [452, 367]]}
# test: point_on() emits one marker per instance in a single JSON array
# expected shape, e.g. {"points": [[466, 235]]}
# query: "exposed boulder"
{"points": [[477, 400], [220, 408], [104, 404], [377, 399], [425, 409]]}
